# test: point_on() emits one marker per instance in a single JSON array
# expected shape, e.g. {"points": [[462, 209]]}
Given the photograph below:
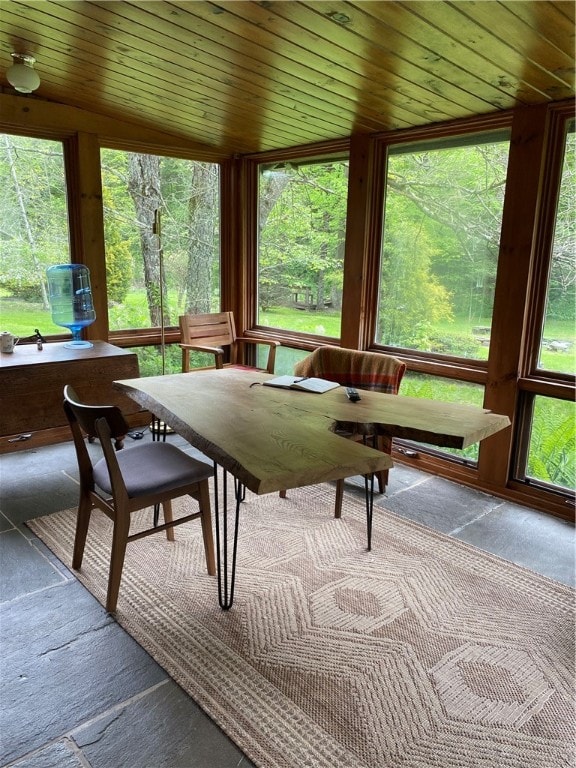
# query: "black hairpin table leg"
{"points": [[369, 492], [369, 495], [226, 566]]}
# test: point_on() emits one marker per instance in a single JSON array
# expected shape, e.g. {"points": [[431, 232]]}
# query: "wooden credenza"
{"points": [[32, 382]]}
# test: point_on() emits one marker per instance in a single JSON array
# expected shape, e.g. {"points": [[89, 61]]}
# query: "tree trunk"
{"points": [[144, 188], [200, 240]]}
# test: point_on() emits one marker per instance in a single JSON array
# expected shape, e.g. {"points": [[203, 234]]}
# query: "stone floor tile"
{"points": [[527, 537], [440, 504], [64, 661], [162, 729], [58, 755], [5, 524], [20, 509], [24, 568]]}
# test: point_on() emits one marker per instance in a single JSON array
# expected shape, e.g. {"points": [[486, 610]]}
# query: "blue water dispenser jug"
{"points": [[71, 300]]}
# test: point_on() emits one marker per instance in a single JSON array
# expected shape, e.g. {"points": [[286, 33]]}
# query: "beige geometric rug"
{"points": [[423, 652]]}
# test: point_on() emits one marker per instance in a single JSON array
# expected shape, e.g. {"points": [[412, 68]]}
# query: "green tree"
{"points": [[118, 257], [302, 229], [34, 226], [441, 239]]}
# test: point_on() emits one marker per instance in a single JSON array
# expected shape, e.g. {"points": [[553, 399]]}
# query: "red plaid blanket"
{"points": [[353, 368]]}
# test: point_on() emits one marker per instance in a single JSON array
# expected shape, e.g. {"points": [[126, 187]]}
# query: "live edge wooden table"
{"points": [[272, 439]]}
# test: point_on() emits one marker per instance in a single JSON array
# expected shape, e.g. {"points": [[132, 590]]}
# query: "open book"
{"points": [[301, 382]]}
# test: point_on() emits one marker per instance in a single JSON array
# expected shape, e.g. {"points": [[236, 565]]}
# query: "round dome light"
{"points": [[22, 75]]}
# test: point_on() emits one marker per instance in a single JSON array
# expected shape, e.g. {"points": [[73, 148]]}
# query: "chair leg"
{"points": [[168, 518], [384, 445], [382, 476], [119, 541], [82, 523], [206, 520], [339, 497]]}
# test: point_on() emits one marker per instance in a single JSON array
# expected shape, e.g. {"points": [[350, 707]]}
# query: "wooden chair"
{"points": [[361, 370], [211, 332], [124, 481]]}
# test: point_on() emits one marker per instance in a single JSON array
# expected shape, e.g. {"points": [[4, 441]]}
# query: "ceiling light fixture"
{"points": [[22, 75], [339, 18]]}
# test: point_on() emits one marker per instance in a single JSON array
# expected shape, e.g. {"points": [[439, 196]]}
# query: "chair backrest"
{"points": [[107, 423], [209, 330], [354, 368], [90, 419], [86, 415]]}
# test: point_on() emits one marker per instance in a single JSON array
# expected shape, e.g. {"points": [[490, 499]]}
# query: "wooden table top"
{"points": [[273, 439]]}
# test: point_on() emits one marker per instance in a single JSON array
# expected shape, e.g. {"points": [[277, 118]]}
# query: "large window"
{"points": [[161, 227], [547, 443], [302, 228], [557, 352], [33, 231], [442, 220]]}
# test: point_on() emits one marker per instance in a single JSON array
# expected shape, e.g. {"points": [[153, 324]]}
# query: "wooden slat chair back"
{"points": [[126, 480], [362, 370], [214, 333]]}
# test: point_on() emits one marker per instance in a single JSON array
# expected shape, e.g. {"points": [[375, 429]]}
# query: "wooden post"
{"points": [[361, 260], [86, 216], [523, 188]]}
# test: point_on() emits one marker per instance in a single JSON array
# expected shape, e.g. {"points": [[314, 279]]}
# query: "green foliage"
{"points": [[440, 245], [34, 231], [463, 345], [150, 360], [119, 258], [552, 456], [22, 288], [186, 193], [302, 228]]}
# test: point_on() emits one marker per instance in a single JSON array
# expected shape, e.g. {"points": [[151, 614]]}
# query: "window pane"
{"points": [[302, 228], [552, 448], [449, 390], [557, 344], [186, 254], [150, 359], [441, 237], [34, 231], [286, 359]]}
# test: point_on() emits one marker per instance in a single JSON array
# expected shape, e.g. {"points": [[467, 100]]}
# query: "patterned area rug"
{"points": [[423, 652]]}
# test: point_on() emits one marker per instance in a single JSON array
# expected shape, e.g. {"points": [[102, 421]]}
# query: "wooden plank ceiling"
{"points": [[244, 77]]}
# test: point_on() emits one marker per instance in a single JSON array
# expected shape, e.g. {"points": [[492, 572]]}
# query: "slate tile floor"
{"points": [[77, 692]]}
